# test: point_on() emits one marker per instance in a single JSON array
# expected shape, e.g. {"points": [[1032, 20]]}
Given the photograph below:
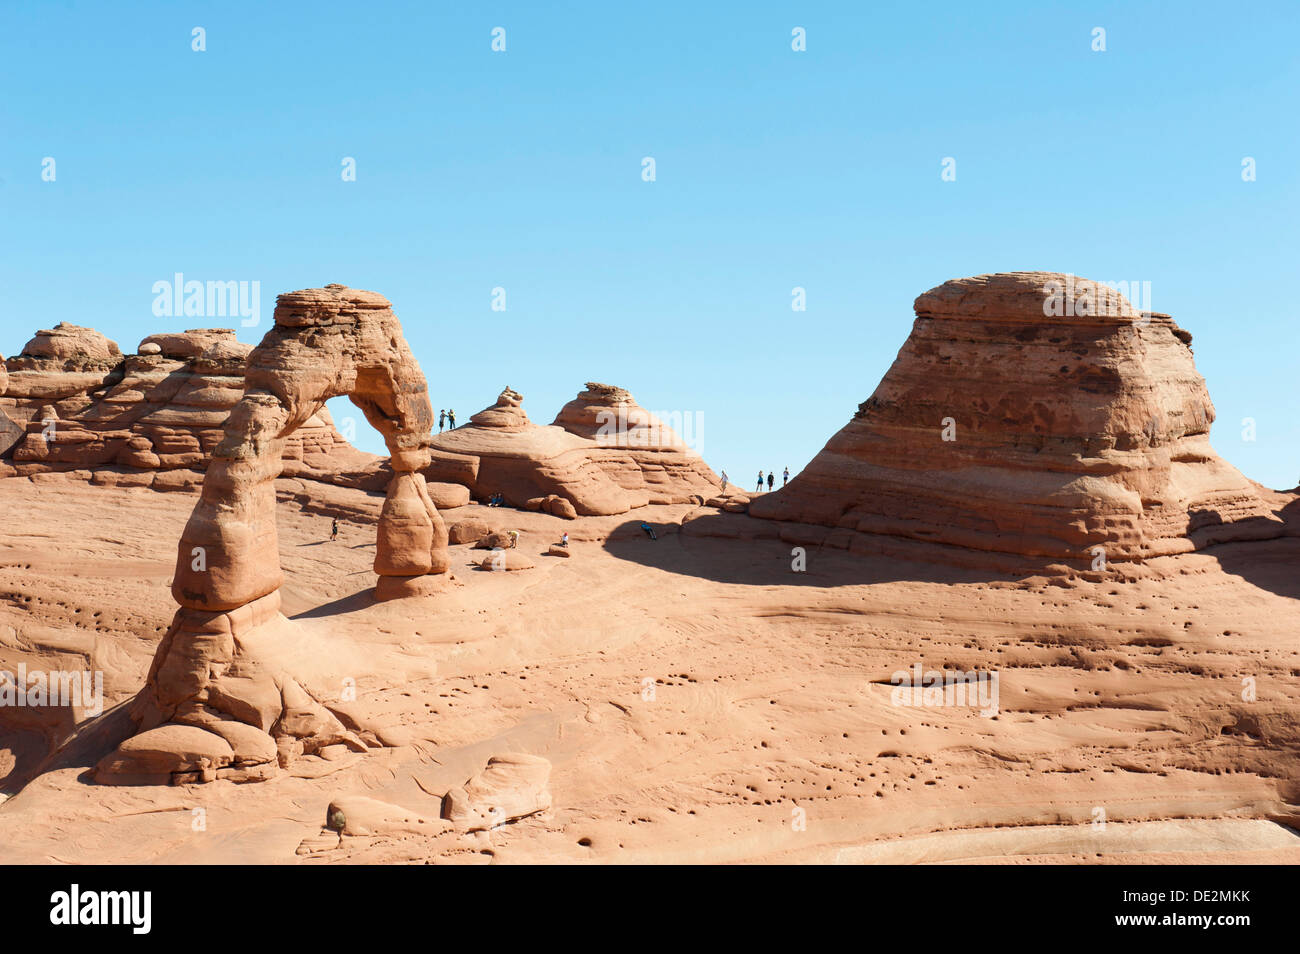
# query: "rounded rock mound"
{"points": [[1036, 414]]}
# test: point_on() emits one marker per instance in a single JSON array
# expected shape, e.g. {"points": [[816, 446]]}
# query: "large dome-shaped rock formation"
{"points": [[640, 452], [1032, 414], [603, 455], [327, 342]]}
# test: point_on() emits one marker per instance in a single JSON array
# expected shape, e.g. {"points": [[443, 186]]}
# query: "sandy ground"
{"points": [[699, 700]]}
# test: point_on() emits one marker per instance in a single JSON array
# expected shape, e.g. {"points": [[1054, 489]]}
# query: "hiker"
{"points": [[442, 419], [514, 537], [771, 479], [451, 418], [564, 540], [649, 530], [724, 482], [334, 529], [785, 478], [760, 481]]}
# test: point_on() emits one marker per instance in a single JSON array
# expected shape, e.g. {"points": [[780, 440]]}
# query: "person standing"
{"points": [[760, 481], [451, 418], [785, 478], [771, 479], [724, 481], [334, 529], [442, 420]]}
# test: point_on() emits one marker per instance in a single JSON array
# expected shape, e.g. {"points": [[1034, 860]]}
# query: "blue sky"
{"points": [[774, 169]]}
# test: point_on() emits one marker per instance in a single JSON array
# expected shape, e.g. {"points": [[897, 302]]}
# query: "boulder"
{"points": [[510, 787], [495, 540], [467, 531], [153, 756], [497, 560]]}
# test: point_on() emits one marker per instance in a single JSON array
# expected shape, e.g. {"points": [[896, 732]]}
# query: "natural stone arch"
{"points": [[327, 342], [210, 708]]}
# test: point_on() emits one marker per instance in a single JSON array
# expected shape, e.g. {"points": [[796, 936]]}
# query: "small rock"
{"points": [[510, 787]]}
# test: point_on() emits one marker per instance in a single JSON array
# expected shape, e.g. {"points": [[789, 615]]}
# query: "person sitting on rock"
{"points": [[334, 529], [649, 530], [771, 479], [564, 539]]}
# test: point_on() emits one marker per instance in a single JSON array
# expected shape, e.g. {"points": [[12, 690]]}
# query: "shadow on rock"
{"points": [[1268, 564], [736, 548]]}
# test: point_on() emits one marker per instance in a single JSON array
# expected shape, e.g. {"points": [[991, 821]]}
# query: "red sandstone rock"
{"points": [[161, 410], [1033, 414], [467, 531], [326, 343], [509, 787], [603, 455]]}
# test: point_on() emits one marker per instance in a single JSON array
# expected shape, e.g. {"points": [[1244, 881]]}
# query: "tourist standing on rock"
{"points": [[649, 530], [785, 478], [451, 418], [724, 482], [564, 540], [334, 529], [771, 479], [760, 481], [442, 419]]}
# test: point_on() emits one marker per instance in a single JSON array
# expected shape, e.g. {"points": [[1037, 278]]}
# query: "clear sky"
{"points": [[774, 168]]}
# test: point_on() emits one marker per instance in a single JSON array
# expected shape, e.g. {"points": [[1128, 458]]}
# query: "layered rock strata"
{"points": [[1033, 414], [603, 455], [327, 342]]}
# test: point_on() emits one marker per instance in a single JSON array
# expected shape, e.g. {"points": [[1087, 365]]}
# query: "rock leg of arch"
{"points": [[212, 705]]}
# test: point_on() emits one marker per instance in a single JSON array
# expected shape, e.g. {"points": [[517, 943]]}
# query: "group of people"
{"points": [[771, 479], [446, 417], [498, 499]]}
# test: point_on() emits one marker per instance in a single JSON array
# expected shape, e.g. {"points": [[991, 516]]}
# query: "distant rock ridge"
{"points": [[1035, 414], [73, 402]]}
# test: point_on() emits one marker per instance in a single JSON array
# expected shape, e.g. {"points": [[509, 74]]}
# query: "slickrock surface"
{"points": [[1003, 429], [768, 699], [327, 342], [603, 455]]}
